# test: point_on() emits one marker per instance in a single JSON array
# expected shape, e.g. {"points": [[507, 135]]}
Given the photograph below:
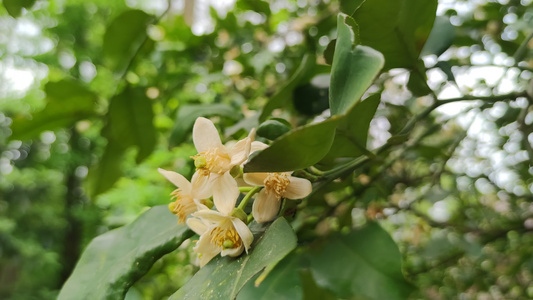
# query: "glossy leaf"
{"points": [[14, 7], [68, 102], [131, 122], [123, 37], [397, 29], [284, 95], [223, 277], [353, 69], [187, 115], [272, 129], [298, 149], [112, 262], [440, 38], [365, 263]]}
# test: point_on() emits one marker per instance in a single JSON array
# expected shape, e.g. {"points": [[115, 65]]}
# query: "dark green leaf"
{"points": [[365, 263], [68, 102], [123, 38], [115, 260], [298, 149], [440, 38], [108, 170], [447, 69], [398, 29], [311, 290], [223, 277], [350, 6], [353, 69], [272, 129], [282, 282], [284, 95], [131, 122], [417, 83], [14, 7], [187, 114], [311, 99]]}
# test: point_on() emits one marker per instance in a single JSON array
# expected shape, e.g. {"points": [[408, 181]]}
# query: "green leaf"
{"points": [[130, 122], [311, 290], [14, 7], [352, 132], [440, 38], [187, 115], [284, 95], [417, 83], [397, 29], [353, 69], [223, 277], [68, 102], [365, 263], [272, 129], [282, 282], [350, 6], [112, 262], [298, 149], [108, 170], [123, 37]]}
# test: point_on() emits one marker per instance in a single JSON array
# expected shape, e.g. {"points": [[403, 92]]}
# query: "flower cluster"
{"points": [[225, 229]]}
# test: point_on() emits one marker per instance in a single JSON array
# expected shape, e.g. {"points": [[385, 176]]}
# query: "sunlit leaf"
{"points": [[223, 277], [14, 7], [297, 149], [123, 37], [353, 69], [68, 102], [187, 114], [112, 262], [365, 263]]}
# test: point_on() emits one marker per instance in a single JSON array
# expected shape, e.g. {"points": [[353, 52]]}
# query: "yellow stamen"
{"points": [[225, 238], [277, 182]]}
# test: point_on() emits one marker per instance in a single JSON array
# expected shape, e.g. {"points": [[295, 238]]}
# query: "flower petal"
{"points": [[178, 180], [266, 206], [256, 146], [206, 249], [239, 152], [233, 252], [201, 186], [197, 225], [257, 179], [205, 135], [225, 193], [211, 215], [244, 232], [298, 188]]}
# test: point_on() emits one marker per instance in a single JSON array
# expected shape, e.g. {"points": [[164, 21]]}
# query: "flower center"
{"points": [[214, 160], [182, 206], [277, 182], [227, 238]]}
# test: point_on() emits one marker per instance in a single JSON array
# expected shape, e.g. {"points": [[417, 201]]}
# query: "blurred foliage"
{"points": [[436, 147]]}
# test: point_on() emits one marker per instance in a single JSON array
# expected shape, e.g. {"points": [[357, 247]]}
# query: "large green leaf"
{"points": [[123, 37], [398, 29], [352, 132], [130, 122], [353, 69], [187, 115], [365, 264], [14, 7], [297, 149], [115, 260], [68, 102], [283, 96], [440, 38], [223, 277], [108, 170]]}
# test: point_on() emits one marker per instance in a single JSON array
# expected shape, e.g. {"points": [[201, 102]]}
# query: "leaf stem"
{"points": [[248, 196], [245, 189]]}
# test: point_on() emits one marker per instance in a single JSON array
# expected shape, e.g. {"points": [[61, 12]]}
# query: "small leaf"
{"points": [[187, 114], [108, 170], [365, 263], [272, 129], [353, 69], [440, 38], [298, 149], [284, 95], [447, 69], [131, 122], [124, 35], [68, 102], [14, 7], [223, 277], [114, 260]]}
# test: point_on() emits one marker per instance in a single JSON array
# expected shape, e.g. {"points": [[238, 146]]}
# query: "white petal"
{"points": [[178, 180], [233, 252], [244, 232], [211, 215], [201, 186], [266, 206], [239, 152], [298, 188], [205, 135], [197, 225], [255, 178], [256, 146], [225, 193], [207, 249]]}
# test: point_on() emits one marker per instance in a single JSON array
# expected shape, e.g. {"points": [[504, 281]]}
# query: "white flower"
{"points": [[219, 233], [185, 199], [276, 186], [213, 163]]}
